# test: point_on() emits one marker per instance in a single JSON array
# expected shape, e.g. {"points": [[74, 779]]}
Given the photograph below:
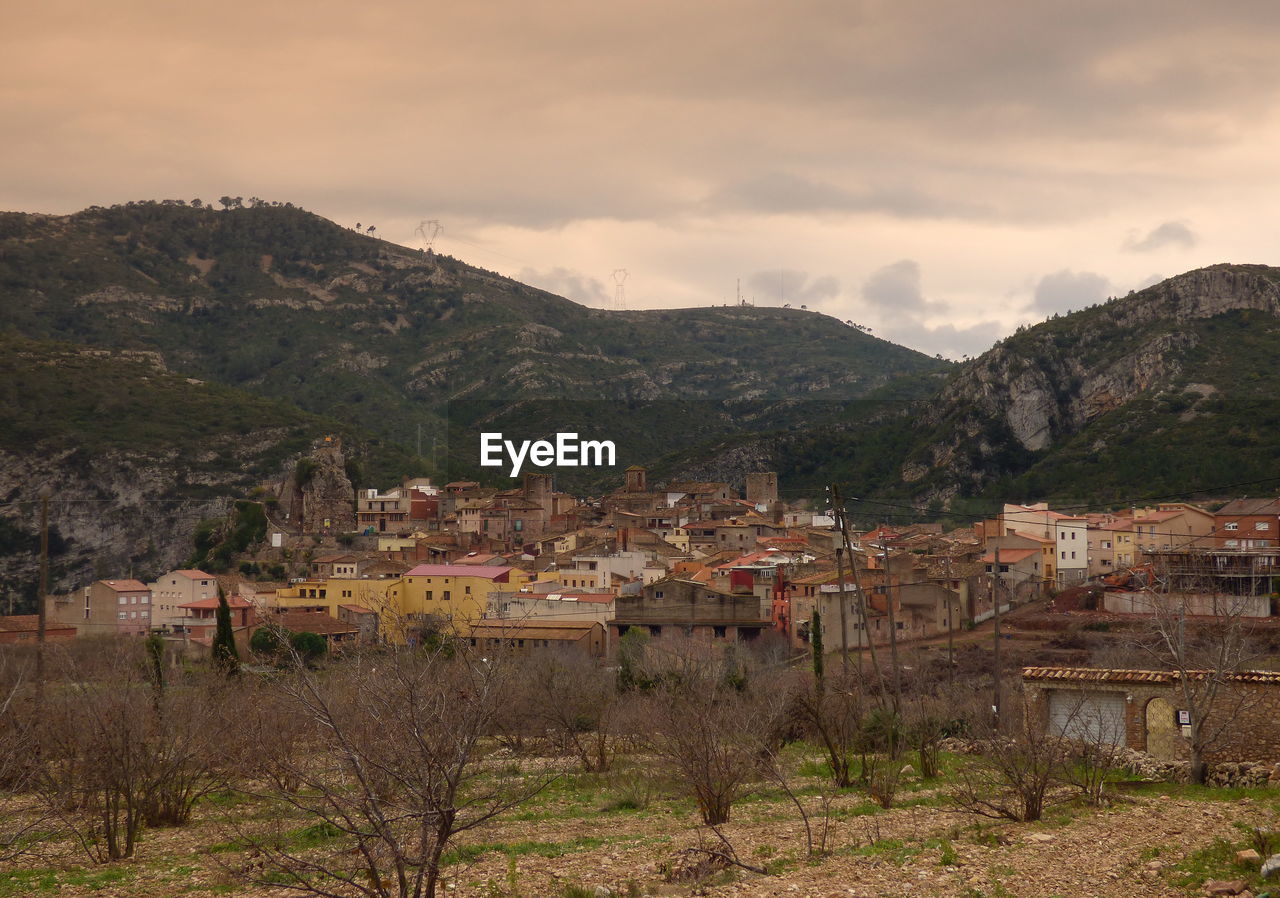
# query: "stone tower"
{"points": [[636, 482], [762, 489]]}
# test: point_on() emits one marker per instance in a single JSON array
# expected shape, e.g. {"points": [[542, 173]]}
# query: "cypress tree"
{"points": [[816, 643], [225, 655]]}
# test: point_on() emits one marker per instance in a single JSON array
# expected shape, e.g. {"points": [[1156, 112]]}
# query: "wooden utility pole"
{"points": [[893, 625], [43, 588], [837, 503], [951, 614], [995, 632], [844, 617]]}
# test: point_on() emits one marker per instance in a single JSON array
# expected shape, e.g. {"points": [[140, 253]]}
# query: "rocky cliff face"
{"points": [[103, 519], [1049, 382]]}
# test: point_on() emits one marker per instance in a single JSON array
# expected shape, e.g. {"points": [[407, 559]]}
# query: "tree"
{"points": [[574, 699], [225, 654], [815, 642], [708, 727], [1204, 651], [397, 768], [309, 647], [269, 640]]}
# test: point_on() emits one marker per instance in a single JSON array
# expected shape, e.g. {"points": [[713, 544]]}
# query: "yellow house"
{"points": [[381, 596], [456, 592]]}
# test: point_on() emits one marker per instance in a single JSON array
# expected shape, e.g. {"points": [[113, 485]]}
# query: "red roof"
{"points": [[1010, 556], [356, 609], [483, 571], [194, 575], [126, 585], [22, 623], [232, 602]]}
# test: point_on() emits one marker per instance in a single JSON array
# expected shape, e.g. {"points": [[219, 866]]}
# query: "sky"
{"points": [[938, 172]]}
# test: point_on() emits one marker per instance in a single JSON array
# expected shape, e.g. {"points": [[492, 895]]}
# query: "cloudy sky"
{"points": [[938, 171]]}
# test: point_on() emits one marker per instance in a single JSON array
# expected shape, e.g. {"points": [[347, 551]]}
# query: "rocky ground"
{"points": [[582, 837]]}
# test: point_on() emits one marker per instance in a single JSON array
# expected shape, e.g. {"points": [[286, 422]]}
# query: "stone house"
{"points": [[678, 607], [1143, 710]]}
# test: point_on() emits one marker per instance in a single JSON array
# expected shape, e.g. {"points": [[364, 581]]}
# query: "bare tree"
{"points": [[708, 726], [1205, 651], [116, 755], [401, 766], [577, 702]]}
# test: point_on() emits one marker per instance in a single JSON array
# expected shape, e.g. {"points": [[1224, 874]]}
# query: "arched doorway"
{"points": [[1163, 735]]}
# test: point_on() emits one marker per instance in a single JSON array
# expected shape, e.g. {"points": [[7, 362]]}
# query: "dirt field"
{"points": [[586, 833]]}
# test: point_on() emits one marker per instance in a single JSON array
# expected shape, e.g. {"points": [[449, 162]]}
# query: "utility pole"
{"points": [[837, 503], [844, 620], [43, 588], [995, 634], [893, 627], [951, 614]]}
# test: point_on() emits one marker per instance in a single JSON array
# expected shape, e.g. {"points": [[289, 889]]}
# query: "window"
{"points": [[719, 632], [1234, 525], [124, 600], [429, 596], [1064, 554], [1073, 556], [1262, 525], [467, 590], [657, 594], [123, 615], [133, 615], [446, 595]]}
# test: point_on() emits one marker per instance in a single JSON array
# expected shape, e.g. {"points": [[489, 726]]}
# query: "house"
{"points": [[383, 512], [528, 637], [175, 588], [335, 632], [1112, 544], [677, 607], [201, 617], [455, 593], [580, 606], [23, 629], [1248, 524], [104, 608], [1172, 526], [1144, 710], [347, 566]]}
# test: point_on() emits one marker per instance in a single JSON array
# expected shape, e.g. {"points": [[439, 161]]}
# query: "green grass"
{"points": [[28, 882], [1215, 861], [465, 854]]}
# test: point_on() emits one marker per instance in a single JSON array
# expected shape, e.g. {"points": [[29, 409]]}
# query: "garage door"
{"points": [[1088, 716]]}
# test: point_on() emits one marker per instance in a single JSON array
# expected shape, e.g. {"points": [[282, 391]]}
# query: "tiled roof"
{"points": [[232, 602], [481, 571], [1104, 675], [313, 622], [1010, 556], [195, 575], [126, 585]]}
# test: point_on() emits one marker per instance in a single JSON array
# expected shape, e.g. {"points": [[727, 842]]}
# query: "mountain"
{"points": [[1166, 391], [165, 357], [135, 456]]}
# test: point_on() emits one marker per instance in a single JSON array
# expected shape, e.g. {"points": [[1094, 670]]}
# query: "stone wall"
{"points": [[1242, 725]]}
